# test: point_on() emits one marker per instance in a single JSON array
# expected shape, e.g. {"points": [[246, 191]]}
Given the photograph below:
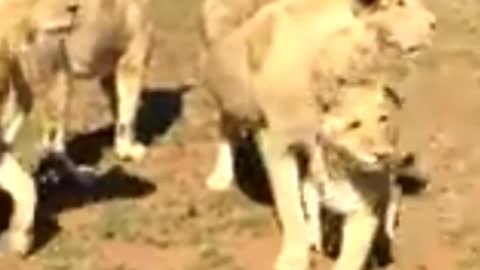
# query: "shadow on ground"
{"points": [[68, 193], [159, 110], [62, 190], [251, 175]]}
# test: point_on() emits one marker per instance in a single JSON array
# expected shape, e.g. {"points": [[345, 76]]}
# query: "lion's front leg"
{"points": [[284, 181], [358, 234], [12, 119], [17, 103], [128, 85], [21, 187], [13, 128], [55, 104]]}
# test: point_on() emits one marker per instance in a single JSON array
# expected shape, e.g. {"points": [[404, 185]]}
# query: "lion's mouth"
{"points": [[391, 163], [339, 155], [413, 51]]}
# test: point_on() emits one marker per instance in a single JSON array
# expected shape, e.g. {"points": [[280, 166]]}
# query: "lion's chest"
{"points": [[341, 196]]}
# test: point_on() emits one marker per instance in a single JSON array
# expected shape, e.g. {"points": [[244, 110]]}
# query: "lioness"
{"points": [[20, 28], [111, 39], [264, 77]]}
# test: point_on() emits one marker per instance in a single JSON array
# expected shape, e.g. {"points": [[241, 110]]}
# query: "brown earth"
{"points": [[158, 214]]}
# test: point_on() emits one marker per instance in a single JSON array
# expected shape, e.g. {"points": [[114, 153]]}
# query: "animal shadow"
{"points": [[6, 207], [159, 109], [69, 193], [410, 179], [251, 175]]}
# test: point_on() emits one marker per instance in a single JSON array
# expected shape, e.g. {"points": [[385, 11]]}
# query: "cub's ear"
{"points": [[360, 6], [259, 42]]}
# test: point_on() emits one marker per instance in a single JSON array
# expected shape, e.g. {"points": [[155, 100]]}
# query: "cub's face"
{"points": [[361, 123]]}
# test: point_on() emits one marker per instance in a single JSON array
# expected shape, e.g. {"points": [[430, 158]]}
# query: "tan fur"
{"points": [[18, 32], [19, 184], [102, 38], [275, 74], [109, 38], [361, 195], [218, 18], [15, 180], [221, 17], [27, 27]]}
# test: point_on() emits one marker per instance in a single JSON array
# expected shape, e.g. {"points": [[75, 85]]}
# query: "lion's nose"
{"points": [[381, 156]]}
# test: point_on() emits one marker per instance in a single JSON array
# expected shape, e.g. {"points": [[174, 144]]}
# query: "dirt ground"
{"points": [[157, 214]]}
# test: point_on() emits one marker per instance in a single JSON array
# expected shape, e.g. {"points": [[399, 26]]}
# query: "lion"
{"points": [[277, 74], [220, 17], [356, 180], [19, 31], [44, 45], [111, 40]]}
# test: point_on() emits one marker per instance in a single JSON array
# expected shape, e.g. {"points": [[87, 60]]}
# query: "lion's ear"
{"points": [[259, 42], [367, 3], [360, 7]]}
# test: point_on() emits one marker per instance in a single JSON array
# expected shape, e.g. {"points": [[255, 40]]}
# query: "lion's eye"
{"points": [[326, 108], [383, 118], [354, 125]]}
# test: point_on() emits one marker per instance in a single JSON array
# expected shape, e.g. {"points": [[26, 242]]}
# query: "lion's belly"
{"points": [[93, 53]]}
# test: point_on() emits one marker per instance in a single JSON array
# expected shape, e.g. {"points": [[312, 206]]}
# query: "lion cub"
{"points": [[355, 177]]}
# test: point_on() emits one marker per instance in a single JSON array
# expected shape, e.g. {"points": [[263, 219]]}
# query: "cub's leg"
{"points": [[393, 210], [316, 176], [21, 187], [312, 201], [358, 233], [129, 82], [284, 180]]}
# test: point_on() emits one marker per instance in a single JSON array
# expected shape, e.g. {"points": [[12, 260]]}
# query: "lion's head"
{"points": [[360, 122]]}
